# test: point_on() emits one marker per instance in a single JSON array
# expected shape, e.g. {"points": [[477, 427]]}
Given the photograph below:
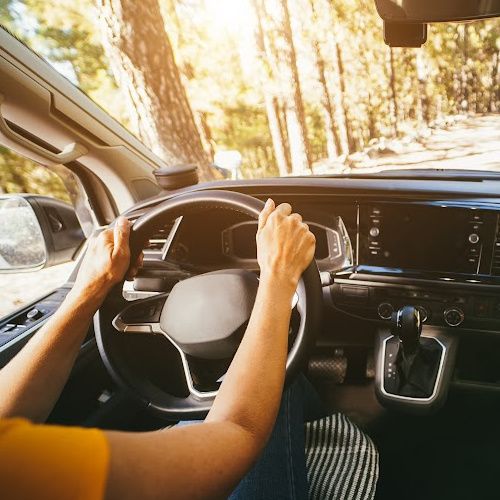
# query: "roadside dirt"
{"points": [[470, 143]]}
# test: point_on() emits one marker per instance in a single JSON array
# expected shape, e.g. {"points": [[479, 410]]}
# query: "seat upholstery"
{"points": [[342, 461]]}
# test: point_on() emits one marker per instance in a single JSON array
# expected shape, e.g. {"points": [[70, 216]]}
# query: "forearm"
{"points": [[207, 461], [252, 387], [31, 383]]}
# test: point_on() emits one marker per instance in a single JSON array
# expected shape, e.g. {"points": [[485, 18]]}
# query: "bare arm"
{"points": [[208, 460], [31, 383]]}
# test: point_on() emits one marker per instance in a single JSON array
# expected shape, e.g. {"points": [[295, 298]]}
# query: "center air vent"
{"points": [[157, 241], [495, 265]]}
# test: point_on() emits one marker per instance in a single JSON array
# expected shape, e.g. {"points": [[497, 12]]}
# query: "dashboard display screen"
{"points": [[431, 238]]}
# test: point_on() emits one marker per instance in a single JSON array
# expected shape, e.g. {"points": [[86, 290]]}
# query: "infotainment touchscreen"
{"points": [[421, 237]]}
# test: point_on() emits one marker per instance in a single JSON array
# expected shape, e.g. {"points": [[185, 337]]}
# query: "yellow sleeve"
{"points": [[45, 462]]}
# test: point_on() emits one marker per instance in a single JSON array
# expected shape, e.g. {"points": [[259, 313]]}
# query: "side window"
{"points": [[20, 242]]}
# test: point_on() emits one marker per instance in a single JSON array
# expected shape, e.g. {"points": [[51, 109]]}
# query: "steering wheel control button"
{"points": [[474, 238], [138, 329], [454, 316], [145, 311], [385, 310]]}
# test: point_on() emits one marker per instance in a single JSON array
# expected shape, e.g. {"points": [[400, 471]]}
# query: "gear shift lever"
{"points": [[406, 325], [417, 359]]}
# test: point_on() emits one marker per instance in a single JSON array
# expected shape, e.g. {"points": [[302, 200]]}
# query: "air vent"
{"points": [[157, 241], [495, 265]]}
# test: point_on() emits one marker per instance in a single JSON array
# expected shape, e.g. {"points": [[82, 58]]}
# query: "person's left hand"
{"points": [[107, 261]]}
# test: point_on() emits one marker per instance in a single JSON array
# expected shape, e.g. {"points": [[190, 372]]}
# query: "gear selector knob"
{"points": [[407, 325]]}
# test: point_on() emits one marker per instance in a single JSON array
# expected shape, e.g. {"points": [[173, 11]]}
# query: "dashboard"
{"points": [[380, 246], [437, 251]]}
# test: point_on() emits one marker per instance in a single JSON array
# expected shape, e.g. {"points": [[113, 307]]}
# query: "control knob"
{"points": [[424, 314], [474, 238], [454, 316], [385, 310], [34, 314]]}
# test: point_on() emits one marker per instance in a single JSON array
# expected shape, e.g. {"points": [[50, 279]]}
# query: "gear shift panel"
{"points": [[413, 370]]}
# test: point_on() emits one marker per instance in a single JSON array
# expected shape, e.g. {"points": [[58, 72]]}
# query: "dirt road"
{"points": [[469, 143]]}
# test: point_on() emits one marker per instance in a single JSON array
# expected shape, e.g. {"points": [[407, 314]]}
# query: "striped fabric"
{"points": [[342, 461]]}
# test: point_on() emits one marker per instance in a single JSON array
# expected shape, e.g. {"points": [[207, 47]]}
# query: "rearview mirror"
{"points": [[36, 232], [436, 11]]}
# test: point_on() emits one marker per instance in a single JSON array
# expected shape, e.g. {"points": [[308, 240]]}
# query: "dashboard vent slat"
{"points": [[159, 239]]}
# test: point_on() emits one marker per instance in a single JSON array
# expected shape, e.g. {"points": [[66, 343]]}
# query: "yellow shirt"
{"points": [[45, 462]]}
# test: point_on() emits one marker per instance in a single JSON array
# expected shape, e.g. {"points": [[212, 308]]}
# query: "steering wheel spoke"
{"points": [[141, 316]]}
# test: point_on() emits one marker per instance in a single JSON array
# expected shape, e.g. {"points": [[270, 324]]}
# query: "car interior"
{"points": [[396, 323]]}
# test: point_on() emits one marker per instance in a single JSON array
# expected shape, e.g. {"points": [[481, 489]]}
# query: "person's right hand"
{"points": [[285, 246]]}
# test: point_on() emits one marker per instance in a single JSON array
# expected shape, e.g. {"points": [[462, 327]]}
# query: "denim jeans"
{"points": [[280, 472]]}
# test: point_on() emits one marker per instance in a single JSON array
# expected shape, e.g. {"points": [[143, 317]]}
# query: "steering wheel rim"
{"points": [[194, 407]]}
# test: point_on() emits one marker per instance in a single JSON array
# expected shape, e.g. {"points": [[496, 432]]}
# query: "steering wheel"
{"points": [[203, 316]]}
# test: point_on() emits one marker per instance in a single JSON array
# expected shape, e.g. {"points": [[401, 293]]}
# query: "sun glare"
{"points": [[231, 14]]}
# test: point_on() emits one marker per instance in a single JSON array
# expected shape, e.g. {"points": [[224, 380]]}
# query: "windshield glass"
{"points": [[260, 88]]}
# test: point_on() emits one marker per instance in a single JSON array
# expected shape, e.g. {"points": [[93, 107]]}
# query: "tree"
{"points": [[141, 57], [333, 142], [267, 55], [279, 19], [391, 69]]}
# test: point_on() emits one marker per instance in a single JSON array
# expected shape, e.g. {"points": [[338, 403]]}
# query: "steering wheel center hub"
{"points": [[206, 315]]}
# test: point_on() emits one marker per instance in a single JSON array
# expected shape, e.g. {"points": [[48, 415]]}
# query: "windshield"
{"points": [[262, 88]]}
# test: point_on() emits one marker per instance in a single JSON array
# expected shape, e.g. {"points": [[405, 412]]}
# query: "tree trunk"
{"points": [[394, 96], [278, 135], [267, 57], [333, 144], [493, 100], [338, 86], [142, 60], [289, 79], [464, 75], [206, 133], [422, 77], [345, 112]]}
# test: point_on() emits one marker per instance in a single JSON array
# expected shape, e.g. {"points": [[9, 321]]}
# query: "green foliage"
{"points": [[19, 175]]}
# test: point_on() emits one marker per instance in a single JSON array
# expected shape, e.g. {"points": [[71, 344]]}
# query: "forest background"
{"points": [[296, 86]]}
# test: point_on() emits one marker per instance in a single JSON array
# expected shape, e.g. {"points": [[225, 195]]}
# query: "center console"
{"points": [[426, 273], [413, 370]]}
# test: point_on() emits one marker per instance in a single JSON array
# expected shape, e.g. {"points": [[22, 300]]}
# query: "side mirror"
{"points": [[36, 232]]}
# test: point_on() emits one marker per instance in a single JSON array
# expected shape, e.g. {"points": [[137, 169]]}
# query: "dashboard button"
{"points": [[454, 316], [375, 231], [474, 238], [34, 314]]}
